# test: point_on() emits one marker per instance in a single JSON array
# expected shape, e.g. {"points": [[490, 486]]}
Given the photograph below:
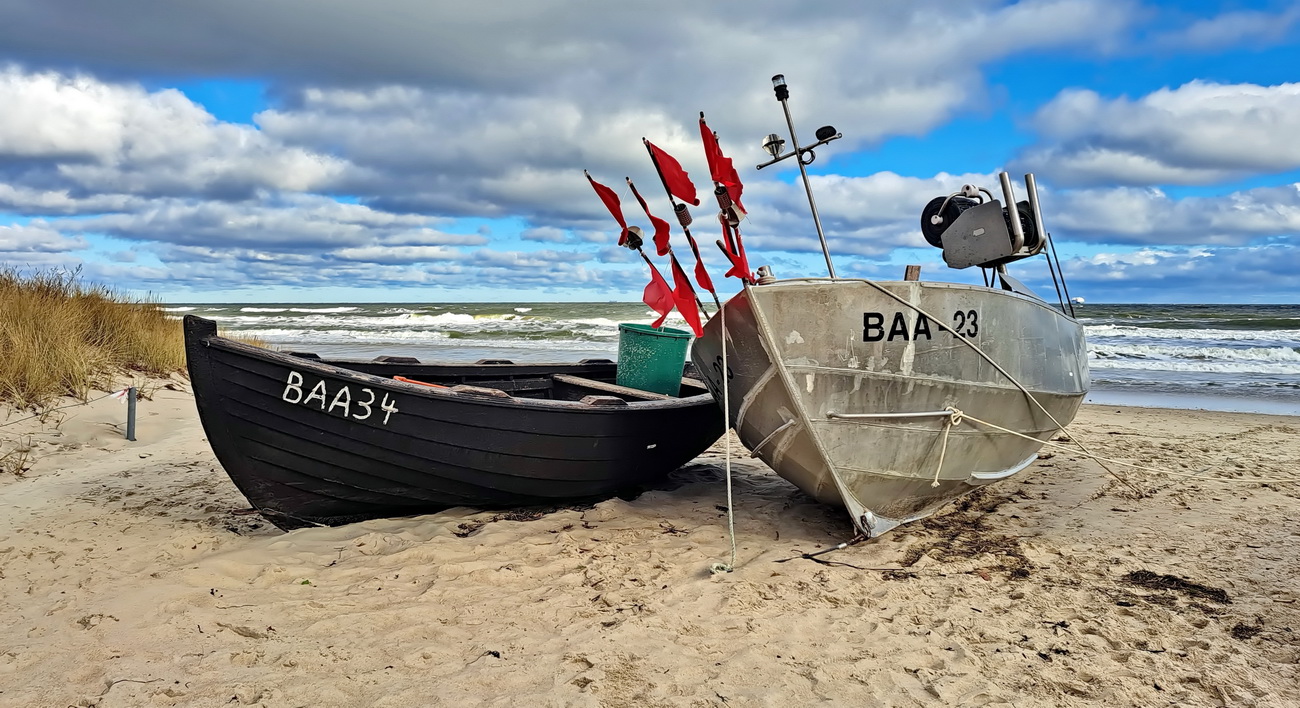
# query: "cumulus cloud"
{"points": [[1198, 133], [600, 58], [1256, 27], [1128, 215], [1255, 274], [66, 134], [392, 122], [396, 254], [290, 222], [36, 238]]}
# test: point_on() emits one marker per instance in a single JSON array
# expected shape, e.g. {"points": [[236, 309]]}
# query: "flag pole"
{"points": [[634, 242], [683, 218], [718, 185], [670, 250], [730, 210]]}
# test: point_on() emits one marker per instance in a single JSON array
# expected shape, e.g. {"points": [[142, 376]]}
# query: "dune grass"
{"points": [[62, 337]]}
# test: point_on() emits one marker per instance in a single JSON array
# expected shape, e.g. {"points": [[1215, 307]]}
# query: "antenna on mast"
{"points": [[773, 144]]}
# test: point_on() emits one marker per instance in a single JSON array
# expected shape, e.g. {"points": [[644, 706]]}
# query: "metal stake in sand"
{"points": [[130, 414]]}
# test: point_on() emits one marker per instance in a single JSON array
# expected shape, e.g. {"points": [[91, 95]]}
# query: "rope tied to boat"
{"points": [[954, 419], [957, 416], [716, 568]]}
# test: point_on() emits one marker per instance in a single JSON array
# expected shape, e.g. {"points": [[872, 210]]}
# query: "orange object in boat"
{"points": [[421, 383]]}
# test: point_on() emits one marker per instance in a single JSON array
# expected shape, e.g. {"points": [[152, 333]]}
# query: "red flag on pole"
{"points": [[661, 226], [608, 196], [702, 276], [675, 178], [657, 295], [739, 262], [721, 168], [685, 296]]}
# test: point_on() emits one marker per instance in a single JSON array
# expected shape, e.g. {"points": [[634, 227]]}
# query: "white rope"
{"points": [[954, 418], [958, 415], [726, 434], [984, 355]]}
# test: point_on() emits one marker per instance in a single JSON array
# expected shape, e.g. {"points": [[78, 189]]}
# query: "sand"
{"points": [[128, 579]]}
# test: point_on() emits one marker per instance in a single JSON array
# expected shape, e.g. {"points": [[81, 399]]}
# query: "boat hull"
{"points": [[803, 353], [316, 443]]}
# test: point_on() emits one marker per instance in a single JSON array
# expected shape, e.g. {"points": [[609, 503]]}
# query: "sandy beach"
{"points": [[129, 577]]}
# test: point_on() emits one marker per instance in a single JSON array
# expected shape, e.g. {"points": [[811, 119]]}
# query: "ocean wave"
{"points": [[446, 317], [523, 309], [263, 309], [1184, 366], [1225, 335], [324, 310], [1156, 352], [340, 336], [306, 339], [597, 322], [179, 309]]}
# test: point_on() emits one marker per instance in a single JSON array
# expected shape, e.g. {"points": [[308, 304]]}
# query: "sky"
{"points": [[433, 151]]}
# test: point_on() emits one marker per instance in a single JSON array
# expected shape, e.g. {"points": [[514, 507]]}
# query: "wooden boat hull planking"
{"points": [[311, 443]]}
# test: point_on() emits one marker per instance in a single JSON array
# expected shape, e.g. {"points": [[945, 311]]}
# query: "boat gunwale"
{"points": [[325, 367], [925, 283]]}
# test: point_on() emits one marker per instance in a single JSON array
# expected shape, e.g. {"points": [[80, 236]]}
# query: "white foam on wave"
{"points": [[593, 322], [523, 309], [1159, 352], [1224, 335], [418, 337], [444, 318], [341, 336], [1221, 367], [1110, 354], [324, 310], [263, 309], [179, 309]]}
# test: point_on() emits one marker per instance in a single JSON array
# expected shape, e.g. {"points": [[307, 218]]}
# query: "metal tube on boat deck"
{"points": [[782, 94], [1031, 186], [920, 414], [1017, 233]]}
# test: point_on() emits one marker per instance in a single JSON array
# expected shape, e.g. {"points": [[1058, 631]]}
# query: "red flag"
{"points": [[685, 296], [739, 261], [721, 168], [702, 276], [675, 178], [608, 196], [658, 296], [661, 226]]}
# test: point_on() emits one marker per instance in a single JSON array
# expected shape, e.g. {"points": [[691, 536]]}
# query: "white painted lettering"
{"points": [[293, 385], [317, 392], [389, 407], [342, 399], [365, 404]]}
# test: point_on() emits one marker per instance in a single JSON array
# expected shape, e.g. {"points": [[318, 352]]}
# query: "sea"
{"points": [[1216, 357]]}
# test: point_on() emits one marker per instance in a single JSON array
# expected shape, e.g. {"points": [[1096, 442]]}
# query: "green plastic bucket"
{"points": [[651, 359]]}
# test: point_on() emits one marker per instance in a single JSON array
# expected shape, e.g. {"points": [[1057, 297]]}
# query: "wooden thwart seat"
{"points": [[609, 388]]}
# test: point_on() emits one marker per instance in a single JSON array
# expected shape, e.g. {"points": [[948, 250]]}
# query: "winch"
{"points": [[974, 229]]}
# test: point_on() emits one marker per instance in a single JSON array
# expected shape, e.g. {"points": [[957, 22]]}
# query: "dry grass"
{"points": [[62, 337], [15, 457]]}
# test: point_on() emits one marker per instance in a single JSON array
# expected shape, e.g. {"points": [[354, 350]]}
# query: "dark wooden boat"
{"points": [[312, 442]]}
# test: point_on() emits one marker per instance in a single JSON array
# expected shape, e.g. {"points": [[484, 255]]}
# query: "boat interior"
{"points": [[589, 381]]}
